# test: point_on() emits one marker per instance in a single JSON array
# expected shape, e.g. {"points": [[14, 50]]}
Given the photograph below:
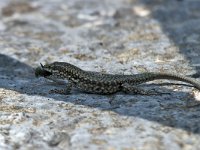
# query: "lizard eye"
{"points": [[46, 67]]}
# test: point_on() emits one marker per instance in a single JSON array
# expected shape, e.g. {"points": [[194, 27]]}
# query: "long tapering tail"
{"points": [[170, 76]]}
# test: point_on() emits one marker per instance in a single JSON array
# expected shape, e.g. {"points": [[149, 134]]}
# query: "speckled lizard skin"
{"points": [[95, 82]]}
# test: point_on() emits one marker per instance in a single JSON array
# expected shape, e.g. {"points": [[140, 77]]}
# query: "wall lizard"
{"points": [[96, 82]]}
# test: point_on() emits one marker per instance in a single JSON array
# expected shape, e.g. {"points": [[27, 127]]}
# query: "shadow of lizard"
{"points": [[19, 77]]}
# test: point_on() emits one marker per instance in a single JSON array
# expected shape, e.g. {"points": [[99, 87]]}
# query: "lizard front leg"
{"points": [[132, 89], [65, 91]]}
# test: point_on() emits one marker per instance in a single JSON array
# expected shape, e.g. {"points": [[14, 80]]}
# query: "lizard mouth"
{"points": [[46, 73], [40, 71]]}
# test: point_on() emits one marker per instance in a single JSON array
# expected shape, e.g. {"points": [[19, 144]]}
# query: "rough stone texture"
{"points": [[119, 36]]}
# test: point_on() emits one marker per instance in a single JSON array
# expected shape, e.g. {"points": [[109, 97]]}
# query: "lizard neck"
{"points": [[73, 73]]}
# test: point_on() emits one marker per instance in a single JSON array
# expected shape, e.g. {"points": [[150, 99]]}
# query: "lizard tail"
{"points": [[170, 76]]}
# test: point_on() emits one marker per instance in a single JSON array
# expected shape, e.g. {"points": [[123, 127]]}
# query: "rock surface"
{"points": [[120, 36]]}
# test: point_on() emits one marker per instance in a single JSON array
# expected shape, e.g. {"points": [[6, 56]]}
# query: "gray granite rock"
{"points": [[121, 36]]}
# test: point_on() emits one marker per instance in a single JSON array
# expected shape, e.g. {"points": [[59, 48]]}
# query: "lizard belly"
{"points": [[98, 88]]}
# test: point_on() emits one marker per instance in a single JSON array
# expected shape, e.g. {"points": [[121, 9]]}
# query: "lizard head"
{"points": [[56, 69], [48, 70], [42, 71]]}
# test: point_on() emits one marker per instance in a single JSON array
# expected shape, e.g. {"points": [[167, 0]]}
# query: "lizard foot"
{"points": [[136, 90]]}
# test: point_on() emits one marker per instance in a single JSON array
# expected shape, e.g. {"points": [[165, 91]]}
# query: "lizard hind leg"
{"points": [[132, 89]]}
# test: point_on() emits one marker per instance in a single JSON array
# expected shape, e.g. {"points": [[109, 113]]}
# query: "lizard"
{"points": [[100, 83]]}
